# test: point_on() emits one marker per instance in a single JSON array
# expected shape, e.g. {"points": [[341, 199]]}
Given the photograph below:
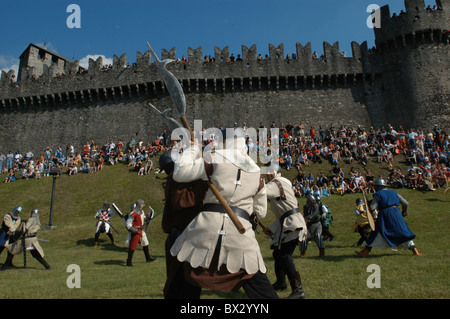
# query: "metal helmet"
{"points": [[359, 201], [16, 211], [140, 204], [166, 162], [105, 205], [311, 199], [35, 215], [34, 212], [380, 183]]}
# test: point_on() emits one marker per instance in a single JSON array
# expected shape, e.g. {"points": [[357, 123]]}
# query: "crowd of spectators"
{"points": [[426, 155], [90, 159]]}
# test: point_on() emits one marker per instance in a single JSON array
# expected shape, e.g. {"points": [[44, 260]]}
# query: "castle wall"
{"points": [[36, 128], [404, 82]]}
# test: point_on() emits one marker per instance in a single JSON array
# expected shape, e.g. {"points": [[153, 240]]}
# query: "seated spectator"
{"points": [[85, 168], [72, 168], [324, 190], [10, 177]]}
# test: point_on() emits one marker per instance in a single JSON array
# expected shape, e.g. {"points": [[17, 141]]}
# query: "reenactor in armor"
{"points": [[312, 214], [288, 229], [10, 232], [29, 240], [391, 229], [137, 227], [103, 225], [362, 223]]}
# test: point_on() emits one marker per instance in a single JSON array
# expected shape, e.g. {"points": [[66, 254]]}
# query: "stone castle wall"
{"points": [[404, 82]]}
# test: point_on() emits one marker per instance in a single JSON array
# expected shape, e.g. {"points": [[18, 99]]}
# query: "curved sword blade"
{"points": [[172, 84], [169, 121]]}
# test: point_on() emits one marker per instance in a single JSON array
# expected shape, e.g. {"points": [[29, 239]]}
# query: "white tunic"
{"points": [[294, 226], [198, 241]]}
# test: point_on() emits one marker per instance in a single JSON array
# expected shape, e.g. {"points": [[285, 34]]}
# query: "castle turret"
{"points": [[37, 60], [413, 45]]}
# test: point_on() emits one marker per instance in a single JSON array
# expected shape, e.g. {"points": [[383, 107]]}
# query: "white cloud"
{"points": [[9, 63], [84, 62]]}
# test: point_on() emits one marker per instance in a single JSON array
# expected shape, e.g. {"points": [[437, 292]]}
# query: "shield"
{"points": [[369, 213]]}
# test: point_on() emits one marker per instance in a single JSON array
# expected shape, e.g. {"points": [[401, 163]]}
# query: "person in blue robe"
{"points": [[391, 230]]}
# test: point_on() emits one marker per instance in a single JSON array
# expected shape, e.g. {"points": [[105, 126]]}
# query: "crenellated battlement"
{"points": [[417, 24], [223, 74]]}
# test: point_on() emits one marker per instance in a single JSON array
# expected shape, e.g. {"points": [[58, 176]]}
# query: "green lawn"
{"points": [[339, 275]]}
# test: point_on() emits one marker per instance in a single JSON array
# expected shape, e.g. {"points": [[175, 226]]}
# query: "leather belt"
{"points": [[288, 213], [218, 208]]}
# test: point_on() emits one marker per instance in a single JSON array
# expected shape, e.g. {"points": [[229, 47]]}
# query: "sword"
{"points": [[119, 213], [178, 98], [117, 210], [114, 229]]}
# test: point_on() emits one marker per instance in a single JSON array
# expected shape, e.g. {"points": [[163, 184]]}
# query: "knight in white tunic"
{"points": [[217, 254], [287, 230]]}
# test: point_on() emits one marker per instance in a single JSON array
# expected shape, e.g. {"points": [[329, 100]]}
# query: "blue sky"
{"points": [[111, 27]]}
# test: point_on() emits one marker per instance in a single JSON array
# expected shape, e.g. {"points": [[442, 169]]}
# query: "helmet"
{"points": [[16, 211], [359, 201], [34, 212], [166, 162], [311, 199], [35, 215], [105, 205], [139, 204], [380, 184]]}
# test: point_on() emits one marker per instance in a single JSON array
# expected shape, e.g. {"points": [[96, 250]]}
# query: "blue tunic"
{"points": [[390, 223]]}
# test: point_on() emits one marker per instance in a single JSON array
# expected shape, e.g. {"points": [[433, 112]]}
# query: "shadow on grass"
{"points": [[111, 262], [104, 244]]}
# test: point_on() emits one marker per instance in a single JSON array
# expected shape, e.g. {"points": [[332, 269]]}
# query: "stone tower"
{"points": [[37, 60], [413, 47]]}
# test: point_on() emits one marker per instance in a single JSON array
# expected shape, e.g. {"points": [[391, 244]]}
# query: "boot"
{"points": [[97, 235], [296, 286], [130, 257], [113, 242], [280, 284], [363, 253], [303, 253], [8, 262], [148, 258], [416, 252], [321, 252]]}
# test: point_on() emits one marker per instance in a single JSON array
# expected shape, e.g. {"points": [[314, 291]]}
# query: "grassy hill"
{"points": [[339, 275]]}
